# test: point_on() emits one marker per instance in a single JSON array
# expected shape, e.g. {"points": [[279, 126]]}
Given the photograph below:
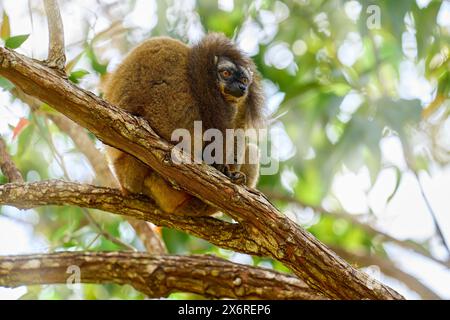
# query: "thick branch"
{"points": [[353, 219], [151, 240], [56, 54], [281, 237], [56, 192], [388, 268], [7, 166], [156, 276]]}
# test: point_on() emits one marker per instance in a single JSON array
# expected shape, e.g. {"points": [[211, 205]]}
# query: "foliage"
{"points": [[337, 83]]}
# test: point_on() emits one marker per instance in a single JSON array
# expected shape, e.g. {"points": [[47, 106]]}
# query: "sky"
{"points": [[405, 217]]}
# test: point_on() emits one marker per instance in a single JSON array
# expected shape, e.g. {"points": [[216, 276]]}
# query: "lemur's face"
{"points": [[233, 80]]}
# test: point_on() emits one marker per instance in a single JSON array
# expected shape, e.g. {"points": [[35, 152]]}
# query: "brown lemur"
{"points": [[171, 85]]}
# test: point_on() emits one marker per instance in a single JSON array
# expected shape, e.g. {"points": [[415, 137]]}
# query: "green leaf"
{"points": [[77, 75], [372, 157], [16, 41], [72, 63], [426, 28], [310, 188], [359, 145], [96, 65], [25, 140], [399, 114], [398, 175], [6, 84], [393, 18], [47, 109]]}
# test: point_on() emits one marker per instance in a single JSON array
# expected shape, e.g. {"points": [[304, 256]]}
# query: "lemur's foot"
{"points": [[235, 176], [238, 177]]}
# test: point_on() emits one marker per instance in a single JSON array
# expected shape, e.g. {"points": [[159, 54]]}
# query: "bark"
{"points": [[56, 192], [7, 166], [388, 268], [151, 240], [56, 54], [155, 276], [285, 241], [355, 221]]}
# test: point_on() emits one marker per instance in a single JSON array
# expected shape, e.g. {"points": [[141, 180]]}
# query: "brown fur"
{"points": [[172, 85], [201, 65]]}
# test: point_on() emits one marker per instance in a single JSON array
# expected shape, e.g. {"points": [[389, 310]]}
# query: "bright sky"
{"points": [[405, 217]]}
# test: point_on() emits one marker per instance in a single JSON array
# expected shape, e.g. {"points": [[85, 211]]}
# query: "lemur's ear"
{"points": [[216, 59]]}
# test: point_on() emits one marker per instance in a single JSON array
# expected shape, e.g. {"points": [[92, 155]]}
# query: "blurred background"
{"points": [[359, 96]]}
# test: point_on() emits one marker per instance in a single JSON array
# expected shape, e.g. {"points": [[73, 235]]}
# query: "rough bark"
{"points": [[388, 268], [56, 192], [155, 276], [7, 166], [151, 240], [56, 53], [285, 241], [87, 148], [355, 221]]}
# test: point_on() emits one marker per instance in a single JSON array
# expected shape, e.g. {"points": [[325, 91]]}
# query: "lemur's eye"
{"points": [[226, 74], [245, 81]]}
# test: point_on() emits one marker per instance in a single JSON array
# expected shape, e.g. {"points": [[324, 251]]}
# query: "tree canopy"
{"points": [[358, 100]]}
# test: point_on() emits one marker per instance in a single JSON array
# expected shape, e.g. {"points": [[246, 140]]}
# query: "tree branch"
{"points": [[151, 240], [280, 237], [388, 268], [56, 192], [155, 276], [353, 219], [86, 146], [56, 55], [7, 166]]}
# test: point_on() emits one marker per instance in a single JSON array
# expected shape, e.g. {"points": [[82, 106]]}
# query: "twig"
{"points": [[87, 147], [49, 140], [432, 213], [104, 233], [7, 166], [151, 239], [56, 55], [93, 240]]}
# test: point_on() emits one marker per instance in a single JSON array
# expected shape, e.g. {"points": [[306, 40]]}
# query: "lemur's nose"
{"points": [[242, 87]]}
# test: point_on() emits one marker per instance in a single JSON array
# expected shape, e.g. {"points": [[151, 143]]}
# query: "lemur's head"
{"points": [[233, 80]]}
